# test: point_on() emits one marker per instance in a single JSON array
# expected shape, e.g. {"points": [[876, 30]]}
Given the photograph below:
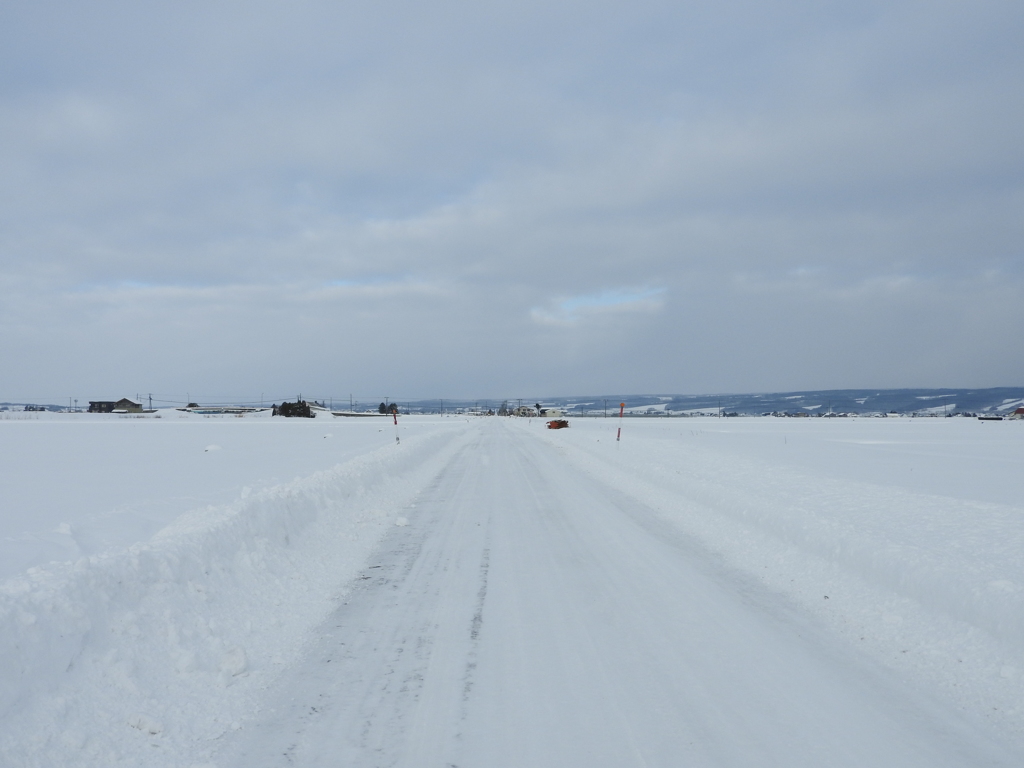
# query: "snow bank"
{"points": [[77, 485], [930, 584], [144, 655]]}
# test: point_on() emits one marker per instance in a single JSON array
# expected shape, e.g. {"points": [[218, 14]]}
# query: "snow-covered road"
{"points": [[530, 614]]}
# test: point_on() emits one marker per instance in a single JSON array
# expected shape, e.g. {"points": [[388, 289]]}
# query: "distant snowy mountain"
{"points": [[923, 402], [818, 402]]}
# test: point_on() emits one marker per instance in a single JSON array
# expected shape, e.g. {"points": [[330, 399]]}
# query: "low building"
{"points": [[124, 405]]}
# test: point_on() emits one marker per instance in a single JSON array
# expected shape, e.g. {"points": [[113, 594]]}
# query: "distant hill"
{"points": [[921, 402], [856, 401]]}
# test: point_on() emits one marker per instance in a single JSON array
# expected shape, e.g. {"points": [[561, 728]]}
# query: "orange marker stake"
{"points": [[622, 408]]}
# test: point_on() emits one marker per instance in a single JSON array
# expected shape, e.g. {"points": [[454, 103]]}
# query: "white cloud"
{"points": [[574, 309]]}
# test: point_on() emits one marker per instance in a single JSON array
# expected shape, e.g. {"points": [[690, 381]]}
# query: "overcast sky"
{"points": [[513, 199]]}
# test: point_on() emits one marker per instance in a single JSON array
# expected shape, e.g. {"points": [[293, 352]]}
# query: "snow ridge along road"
{"points": [[531, 615], [147, 655]]}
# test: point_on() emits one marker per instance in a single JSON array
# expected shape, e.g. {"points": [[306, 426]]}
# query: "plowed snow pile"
{"points": [[140, 655]]}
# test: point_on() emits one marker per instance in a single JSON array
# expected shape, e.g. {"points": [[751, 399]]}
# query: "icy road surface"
{"points": [[531, 615]]}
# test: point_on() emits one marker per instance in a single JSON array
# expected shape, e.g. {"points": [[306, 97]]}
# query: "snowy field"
{"points": [[190, 591]]}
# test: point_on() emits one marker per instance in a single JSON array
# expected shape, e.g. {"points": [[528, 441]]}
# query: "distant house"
{"points": [[124, 405], [1018, 414]]}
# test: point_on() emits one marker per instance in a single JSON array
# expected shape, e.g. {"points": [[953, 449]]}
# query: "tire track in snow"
{"points": [[475, 627], [394, 666]]}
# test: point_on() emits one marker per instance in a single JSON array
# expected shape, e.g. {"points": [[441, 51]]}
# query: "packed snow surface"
{"points": [[707, 592]]}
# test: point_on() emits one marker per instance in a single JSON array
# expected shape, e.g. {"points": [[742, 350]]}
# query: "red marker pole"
{"points": [[622, 408], [395, 414]]}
